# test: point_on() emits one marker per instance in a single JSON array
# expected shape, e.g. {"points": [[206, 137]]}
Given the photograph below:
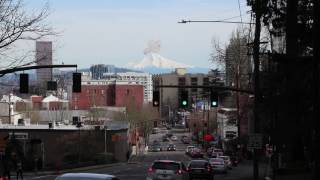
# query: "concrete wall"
{"points": [[58, 144]]}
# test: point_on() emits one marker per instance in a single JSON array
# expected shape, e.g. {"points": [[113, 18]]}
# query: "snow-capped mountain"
{"points": [[156, 64], [156, 60]]}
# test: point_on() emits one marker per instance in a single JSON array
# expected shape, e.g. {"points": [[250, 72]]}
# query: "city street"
{"points": [[138, 170]]}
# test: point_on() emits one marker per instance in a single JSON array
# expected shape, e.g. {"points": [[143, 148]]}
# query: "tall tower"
{"points": [[44, 57]]}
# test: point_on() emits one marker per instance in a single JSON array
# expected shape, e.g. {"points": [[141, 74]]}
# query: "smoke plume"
{"points": [[153, 47]]}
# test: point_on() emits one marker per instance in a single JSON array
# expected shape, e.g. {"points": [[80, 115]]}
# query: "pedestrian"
{"points": [[7, 168], [19, 170], [128, 155]]}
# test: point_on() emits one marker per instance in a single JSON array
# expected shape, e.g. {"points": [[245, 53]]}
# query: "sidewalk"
{"points": [[55, 172], [136, 159]]}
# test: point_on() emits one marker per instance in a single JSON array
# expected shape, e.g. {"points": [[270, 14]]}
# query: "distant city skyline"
{"points": [[117, 32]]}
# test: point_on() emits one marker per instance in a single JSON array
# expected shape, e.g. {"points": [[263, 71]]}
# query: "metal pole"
{"points": [[105, 140], [9, 108]]}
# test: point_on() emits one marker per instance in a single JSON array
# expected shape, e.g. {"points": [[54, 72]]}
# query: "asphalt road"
{"points": [[138, 170]]}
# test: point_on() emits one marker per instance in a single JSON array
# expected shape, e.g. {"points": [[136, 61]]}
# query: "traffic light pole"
{"points": [[208, 87], [12, 70]]}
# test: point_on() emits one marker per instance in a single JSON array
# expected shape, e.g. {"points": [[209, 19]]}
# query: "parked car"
{"points": [[171, 147], [218, 165], [200, 169], [189, 149], [196, 153], [155, 148], [167, 169], [86, 176], [227, 161]]}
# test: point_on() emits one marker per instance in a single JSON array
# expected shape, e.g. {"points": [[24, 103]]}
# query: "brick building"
{"points": [[99, 93]]}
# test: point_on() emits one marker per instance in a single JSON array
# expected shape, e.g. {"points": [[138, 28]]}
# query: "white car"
{"points": [[189, 149], [167, 169], [91, 176]]}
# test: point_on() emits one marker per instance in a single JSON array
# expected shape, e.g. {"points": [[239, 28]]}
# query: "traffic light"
{"points": [[155, 99], [213, 99], [24, 83], [184, 102], [76, 85]]}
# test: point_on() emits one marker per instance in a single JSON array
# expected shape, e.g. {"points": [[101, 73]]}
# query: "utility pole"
{"points": [[256, 51], [316, 108], [10, 108]]}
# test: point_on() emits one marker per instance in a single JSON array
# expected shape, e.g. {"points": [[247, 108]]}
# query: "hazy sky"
{"points": [[117, 31]]}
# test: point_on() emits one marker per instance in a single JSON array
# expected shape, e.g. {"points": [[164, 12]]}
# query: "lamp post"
{"points": [[105, 139]]}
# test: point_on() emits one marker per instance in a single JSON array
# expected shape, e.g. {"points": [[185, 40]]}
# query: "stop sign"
{"points": [[208, 137]]}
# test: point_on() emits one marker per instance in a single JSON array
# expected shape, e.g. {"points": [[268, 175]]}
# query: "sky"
{"points": [[117, 31]]}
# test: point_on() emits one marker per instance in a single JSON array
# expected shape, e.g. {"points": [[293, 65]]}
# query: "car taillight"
{"points": [[209, 168], [188, 169], [179, 172], [150, 170]]}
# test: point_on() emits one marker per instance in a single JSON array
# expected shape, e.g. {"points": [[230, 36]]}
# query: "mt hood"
{"points": [[158, 61]]}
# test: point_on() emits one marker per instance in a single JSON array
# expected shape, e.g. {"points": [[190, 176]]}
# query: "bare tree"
{"points": [[234, 59], [17, 24]]}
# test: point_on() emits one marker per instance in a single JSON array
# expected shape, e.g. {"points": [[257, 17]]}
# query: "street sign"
{"points": [[20, 136], [255, 141]]}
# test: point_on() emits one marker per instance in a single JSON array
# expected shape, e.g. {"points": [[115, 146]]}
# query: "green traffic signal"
{"points": [[184, 103], [214, 103]]}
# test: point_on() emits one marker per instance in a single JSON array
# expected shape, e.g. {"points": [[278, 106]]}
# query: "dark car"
{"points": [[171, 147], [200, 169], [155, 148], [169, 135], [196, 153], [86, 176], [234, 160], [165, 139]]}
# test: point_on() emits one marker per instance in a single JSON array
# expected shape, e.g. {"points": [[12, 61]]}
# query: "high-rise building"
{"points": [[98, 70], [141, 78], [44, 57]]}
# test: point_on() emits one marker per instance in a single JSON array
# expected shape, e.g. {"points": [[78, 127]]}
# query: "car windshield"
{"points": [[198, 164], [216, 160], [166, 165], [226, 158]]}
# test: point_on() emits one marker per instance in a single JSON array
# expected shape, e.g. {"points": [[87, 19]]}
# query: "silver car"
{"points": [[168, 170], [227, 161], [218, 165], [86, 176]]}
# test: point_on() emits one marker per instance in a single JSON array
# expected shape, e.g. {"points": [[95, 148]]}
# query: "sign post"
{"points": [[255, 141]]}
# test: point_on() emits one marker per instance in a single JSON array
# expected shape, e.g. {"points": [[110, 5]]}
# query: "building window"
{"points": [[128, 91], [102, 91], [182, 81], [206, 81]]}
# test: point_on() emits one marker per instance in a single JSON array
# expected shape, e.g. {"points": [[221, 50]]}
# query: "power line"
{"points": [[240, 14], [215, 21]]}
